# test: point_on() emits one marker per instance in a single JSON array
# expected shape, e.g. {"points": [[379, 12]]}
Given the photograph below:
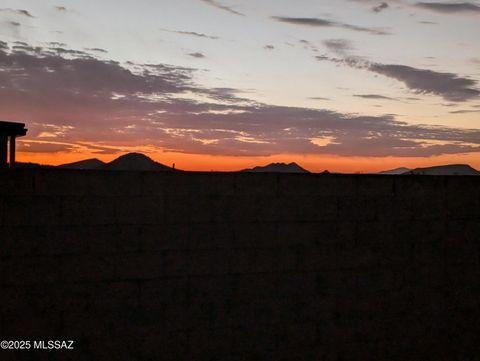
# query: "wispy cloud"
{"points": [[319, 98], [380, 7], [450, 86], [197, 55], [317, 22], [308, 45], [191, 33], [222, 7], [18, 12], [449, 8], [338, 46], [464, 111], [373, 96], [97, 50]]}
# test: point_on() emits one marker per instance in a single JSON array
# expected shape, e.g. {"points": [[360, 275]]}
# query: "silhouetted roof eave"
{"points": [[11, 128]]}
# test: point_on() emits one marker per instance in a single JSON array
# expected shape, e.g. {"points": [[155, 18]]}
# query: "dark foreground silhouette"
{"points": [[203, 266]]}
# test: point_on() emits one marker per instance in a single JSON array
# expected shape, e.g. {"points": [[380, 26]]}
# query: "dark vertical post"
{"points": [[9, 131], [12, 151], [3, 149]]}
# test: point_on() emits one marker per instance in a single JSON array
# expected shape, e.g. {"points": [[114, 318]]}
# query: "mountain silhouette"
{"points": [[277, 168], [135, 161], [30, 165], [92, 163], [401, 170], [450, 169], [130, 161]]}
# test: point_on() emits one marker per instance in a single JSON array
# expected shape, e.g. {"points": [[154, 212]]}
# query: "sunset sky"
{"points": [[344, 85]]}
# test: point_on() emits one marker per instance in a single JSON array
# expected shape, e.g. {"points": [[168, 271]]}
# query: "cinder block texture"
{"points": [[225, 266]]}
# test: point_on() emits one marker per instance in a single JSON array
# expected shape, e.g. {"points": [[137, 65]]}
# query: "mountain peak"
{"points": [[129, 161], [277, 168], [134, 156], [449, 169], [135, 161]]}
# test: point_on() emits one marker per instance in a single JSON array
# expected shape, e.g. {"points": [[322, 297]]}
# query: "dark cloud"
{"points": [[450, 86], [18, 11], [191, 33], [222, 7], [373, 96], [25, 13], [305, 21], [338, 46], [380, 7], [323, 57], [54, 44], [316, 22], [97, 50], [197, 55], [224, 95], [14, 23], [449, 8], [269, 47], [464, 111], [21, 47], [61, 8], [308, 45], [63, 51], [59, 68], [319, 98], [72, 100]]}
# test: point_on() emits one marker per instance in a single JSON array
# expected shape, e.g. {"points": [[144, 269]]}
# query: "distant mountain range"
{"points": [[277, 168], [449, 169], [140, 162], [130, 161]]}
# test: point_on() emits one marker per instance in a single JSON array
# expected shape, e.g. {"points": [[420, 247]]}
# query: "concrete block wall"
{"points": [[224, 266]]}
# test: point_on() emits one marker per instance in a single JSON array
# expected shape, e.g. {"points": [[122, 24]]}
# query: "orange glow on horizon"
{"points": [[313, 163]]}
